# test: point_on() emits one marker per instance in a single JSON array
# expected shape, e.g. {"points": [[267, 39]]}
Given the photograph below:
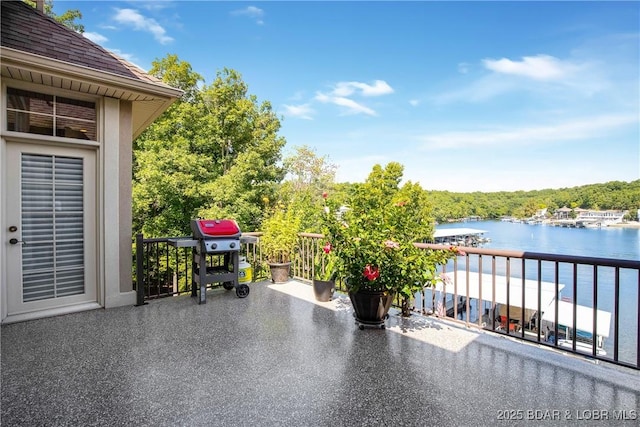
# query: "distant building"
{"points": [[603, 217], [579, 217], [563, 213], [541, 213]]}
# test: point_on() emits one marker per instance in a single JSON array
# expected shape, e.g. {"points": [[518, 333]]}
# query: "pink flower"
{"points": [[457, 251], [327, 248], [390, 244], [371, 273], [402, 203], [325, 194]]}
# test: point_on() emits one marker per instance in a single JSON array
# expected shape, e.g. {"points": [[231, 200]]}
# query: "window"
{"points": [[43, 114]]}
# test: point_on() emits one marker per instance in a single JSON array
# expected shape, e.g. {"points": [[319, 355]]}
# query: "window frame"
{"points": [[55, 92]]}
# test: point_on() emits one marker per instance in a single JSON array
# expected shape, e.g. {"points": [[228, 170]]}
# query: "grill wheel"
{"points": [[242, 291]]}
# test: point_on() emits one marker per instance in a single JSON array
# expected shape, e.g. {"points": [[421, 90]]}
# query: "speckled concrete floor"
{"points": [[276, 358]]}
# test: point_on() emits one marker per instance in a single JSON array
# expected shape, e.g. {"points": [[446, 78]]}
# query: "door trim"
{"points": [[14, 307]]}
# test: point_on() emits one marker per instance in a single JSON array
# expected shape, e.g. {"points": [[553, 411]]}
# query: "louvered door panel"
{"points": [[52, 226]]}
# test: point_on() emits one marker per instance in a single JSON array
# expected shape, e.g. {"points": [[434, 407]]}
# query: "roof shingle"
{"points": [[24, 28]]}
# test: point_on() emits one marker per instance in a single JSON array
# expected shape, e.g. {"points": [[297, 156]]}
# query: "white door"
{"points": [[51, 227]]}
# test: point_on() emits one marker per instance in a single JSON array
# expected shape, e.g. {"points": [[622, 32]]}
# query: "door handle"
{"points": [[14, 241]]}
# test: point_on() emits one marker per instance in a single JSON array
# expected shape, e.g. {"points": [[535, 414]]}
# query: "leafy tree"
{"points": [[68, 18], [611, 195], [306, 170], [178, 74], [308, 177], [214, 153], [246, 147]]}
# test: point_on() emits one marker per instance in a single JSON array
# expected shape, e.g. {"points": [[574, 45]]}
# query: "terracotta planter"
{"points": [[280, 272], [323, 289], [370, 307]]}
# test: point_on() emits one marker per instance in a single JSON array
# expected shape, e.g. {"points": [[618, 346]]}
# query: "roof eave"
{"points": [[29, 61], [149, 99]]}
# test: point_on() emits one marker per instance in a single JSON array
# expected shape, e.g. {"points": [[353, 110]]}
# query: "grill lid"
{"points": [[215, 228]]}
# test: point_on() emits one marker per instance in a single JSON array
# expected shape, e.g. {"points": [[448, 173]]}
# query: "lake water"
{"points": [[608, 242]]}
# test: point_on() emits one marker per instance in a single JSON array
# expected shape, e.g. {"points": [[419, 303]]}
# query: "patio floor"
{"points": [[279, 358]]}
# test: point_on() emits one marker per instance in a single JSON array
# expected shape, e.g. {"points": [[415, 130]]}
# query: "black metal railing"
{"points": [[582, 305], [164, 269]]}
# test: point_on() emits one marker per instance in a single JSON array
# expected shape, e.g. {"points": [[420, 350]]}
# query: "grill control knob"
{"points": [[232, 245], [214, 246]]}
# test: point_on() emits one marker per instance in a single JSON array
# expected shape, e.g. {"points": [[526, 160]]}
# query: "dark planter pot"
{"points": [[371, 307], [280, 272], [323, 289]]}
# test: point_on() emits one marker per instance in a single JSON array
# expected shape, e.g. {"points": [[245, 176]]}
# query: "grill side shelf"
{"points": [[183, 243]]}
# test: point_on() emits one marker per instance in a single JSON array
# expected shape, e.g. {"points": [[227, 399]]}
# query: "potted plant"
{"points": [[324, 273], [373, 242], [278, 242]]}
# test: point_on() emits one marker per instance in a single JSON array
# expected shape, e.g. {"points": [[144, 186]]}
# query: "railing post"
{"points": [[140, 270]]}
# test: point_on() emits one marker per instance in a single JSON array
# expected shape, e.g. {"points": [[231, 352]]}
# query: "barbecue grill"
{"points": [[216, 240]]}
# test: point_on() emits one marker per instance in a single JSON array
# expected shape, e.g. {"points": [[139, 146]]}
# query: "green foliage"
{"points": [[178, 74], [308, 176], [68, 18], [280, 235], [373, 238], [213, 154], [325, 263], [611, 195]]}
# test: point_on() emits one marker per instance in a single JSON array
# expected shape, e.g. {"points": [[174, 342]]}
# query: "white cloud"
{"points": [[480, 90], [414, 102], [542, 77], [349, 105], [352, 106], [341, 91], [154, 5], [251, 12], [322, 97], [579, 129], [303, 111], [95, 37], [379, 87], [463, 68], [298, 96], [141, 23], [540, 67]]}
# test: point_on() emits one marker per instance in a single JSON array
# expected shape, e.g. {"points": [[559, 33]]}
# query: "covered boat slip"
{"points": [[459, 236], [584, 318], [480, 287]]}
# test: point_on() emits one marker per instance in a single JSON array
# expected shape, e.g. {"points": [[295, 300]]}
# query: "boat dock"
{"points": [[460, 237], [483, 290]]}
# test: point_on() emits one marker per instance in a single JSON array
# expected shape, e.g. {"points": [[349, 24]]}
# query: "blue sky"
{"points": [[468, 96]]}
